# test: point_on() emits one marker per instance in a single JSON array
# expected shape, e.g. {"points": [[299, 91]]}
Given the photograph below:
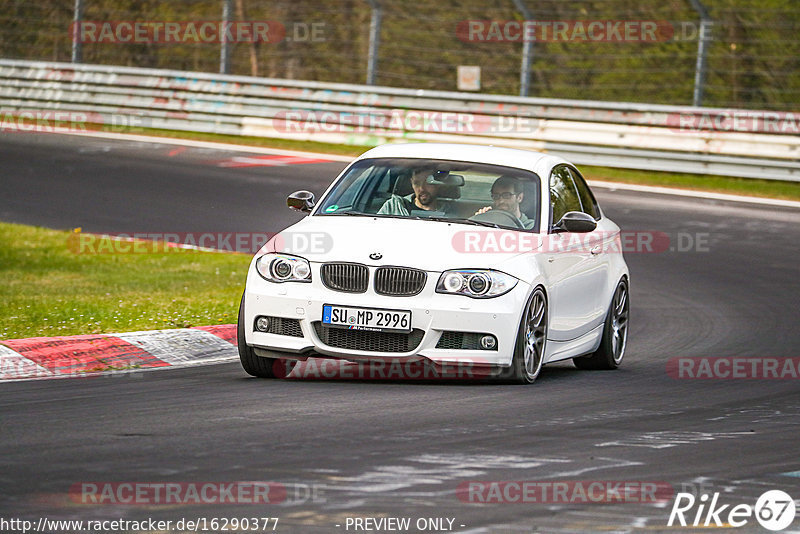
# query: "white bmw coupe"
{"points": [[442, 254]]}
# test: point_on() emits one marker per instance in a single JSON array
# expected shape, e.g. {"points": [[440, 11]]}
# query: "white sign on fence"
{"points": [[469, 78]]}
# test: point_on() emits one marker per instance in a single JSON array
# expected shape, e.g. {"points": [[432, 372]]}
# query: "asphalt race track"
{"points": [[346, 449]]}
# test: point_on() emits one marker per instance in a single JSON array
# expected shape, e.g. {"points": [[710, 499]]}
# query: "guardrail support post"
{"points": [[374, 40], [527, 51], [703, 38], [77, 45], [224, 51]]}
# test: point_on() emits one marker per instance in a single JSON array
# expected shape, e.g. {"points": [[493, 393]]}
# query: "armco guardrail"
{"points": [[751, 144]]}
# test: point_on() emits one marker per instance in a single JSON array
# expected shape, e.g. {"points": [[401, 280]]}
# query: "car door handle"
{"points": [[597, 249]]}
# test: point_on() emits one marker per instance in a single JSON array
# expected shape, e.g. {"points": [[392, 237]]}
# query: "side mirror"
{"points": [[576, 221], [301, 201]]}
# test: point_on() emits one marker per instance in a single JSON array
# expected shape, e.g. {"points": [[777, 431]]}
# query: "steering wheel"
{"points": [[500, 217]]}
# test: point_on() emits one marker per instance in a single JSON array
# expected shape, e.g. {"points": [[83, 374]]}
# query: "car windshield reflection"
{"points": [[437, 190]]}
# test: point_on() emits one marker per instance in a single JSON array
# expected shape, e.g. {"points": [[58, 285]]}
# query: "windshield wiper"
{"points": [[478, 223], [460, 221], [351, 212], [362, 214]]}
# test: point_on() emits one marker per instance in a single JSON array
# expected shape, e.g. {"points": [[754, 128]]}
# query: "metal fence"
{"points": [[720, 53], [48, 96]]}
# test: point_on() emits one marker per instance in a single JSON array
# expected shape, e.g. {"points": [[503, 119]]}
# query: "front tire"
{"points": [[531, 341], [615, 334], [254, 365]]}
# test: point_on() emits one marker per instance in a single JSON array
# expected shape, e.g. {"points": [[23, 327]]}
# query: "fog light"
{"points": [[488, 342], [262, 324]]}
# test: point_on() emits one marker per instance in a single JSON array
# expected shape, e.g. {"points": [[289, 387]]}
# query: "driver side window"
{"points": [[563, 195]]}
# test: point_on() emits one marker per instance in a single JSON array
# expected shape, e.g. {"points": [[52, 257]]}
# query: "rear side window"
{"points": [[563, 195], [588, 202]]}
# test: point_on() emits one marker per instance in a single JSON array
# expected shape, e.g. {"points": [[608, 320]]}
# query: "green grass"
{"points": [[720, 184], [49, 289]]}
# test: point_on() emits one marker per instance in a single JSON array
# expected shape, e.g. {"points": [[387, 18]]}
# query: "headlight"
{"points": [[283, 268], [475, 283]]}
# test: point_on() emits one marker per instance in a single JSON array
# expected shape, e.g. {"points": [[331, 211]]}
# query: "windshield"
{"points": [[455, 191]]}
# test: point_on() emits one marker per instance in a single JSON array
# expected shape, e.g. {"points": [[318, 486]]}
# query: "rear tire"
{"points": [[615, 334], [253, 364], [529, 350]]}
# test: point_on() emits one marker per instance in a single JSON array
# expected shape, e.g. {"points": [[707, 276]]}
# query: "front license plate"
{"points": [[372, 319]]}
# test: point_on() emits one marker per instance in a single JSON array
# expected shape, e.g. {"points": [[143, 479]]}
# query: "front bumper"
{"points": [[431, 315]]}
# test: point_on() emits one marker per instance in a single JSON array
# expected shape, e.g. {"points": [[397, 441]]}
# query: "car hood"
{"points": [[426, 245]]}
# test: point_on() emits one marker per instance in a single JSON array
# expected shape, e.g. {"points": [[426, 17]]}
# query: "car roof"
{"points": [[509, 157]]}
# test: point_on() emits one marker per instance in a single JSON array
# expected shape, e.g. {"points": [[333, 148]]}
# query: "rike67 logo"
{"points": [[774, 510]]}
